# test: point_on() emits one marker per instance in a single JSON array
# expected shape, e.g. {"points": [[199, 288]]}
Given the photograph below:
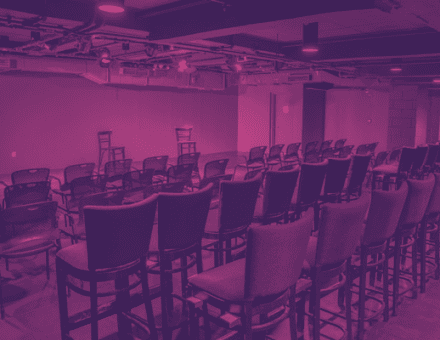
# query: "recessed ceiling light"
{"points": [[111, 6], [310, 49], [396, 69], [436, 80]]}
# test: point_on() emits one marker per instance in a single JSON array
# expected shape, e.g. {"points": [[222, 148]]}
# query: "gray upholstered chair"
{"points": [[258, 284]]}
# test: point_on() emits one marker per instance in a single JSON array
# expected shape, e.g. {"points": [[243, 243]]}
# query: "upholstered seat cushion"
{"points": [[387, 168], [75, 255]]}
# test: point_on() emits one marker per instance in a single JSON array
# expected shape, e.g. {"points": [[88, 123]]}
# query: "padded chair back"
{"points": [[311, 146], [311, 156], [180, 173], [215, 168], [275, 256], [339, 143], [182, 218], [358, 171], [310, 182], [419, 194], [384, 214], [87, 185], [345, 151], [419, 158], [434, 201], [395, 156], [275, 152], [256, 155], [137, 179], [33, 218], [406, 159], [325, 145], [118, 235], [78, 170], [340, 230], [380, 158], [99, 199], [26, 193], [278, 191], [336, 174], [362, 149], [30, 176], [292, 150], [432, 155], [237, 202], [158, 163], [115, 169]]}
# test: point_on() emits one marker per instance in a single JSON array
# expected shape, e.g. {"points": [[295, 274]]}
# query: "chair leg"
{"points": [[94, 309], [423, 256], [2, 308], [315, 305], [373, 271], [292, 305], [147, 302], [396, 271], [47, 265], [7, 264], [229, 251], [206, 325], [414, 267], [362, 288], [62, 298], [437, 253], [124, 326], [386, 311], [348, 300], [247, 315], [166, 298]]}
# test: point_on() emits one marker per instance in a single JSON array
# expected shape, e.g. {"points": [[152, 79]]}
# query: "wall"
{"points": [[348, 112], [253, 115], [422, 112], [52, 121]]}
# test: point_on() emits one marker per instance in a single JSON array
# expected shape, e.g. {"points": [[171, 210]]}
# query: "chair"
{"points": [[394, 156], [184, 142], [256, 159], [74, 225], [329, 254], [379, 160], [336, 175], [372, 147], [327, 153], [181, 223], [311, 157], [430, 158], [30, 176], [278, 190], [274, 157], [248, 284], [325, 145], [381, 223], [232, 218], [419, 160], [115, 170], [105, 145], [291, 155], [345, 151], [191, 158], [82, 186], [362, 149], [214, 172], [181, 173], [339, 144], [118, 238], [158, 163], [134, 180], [359, 170], [26, 193], [310, 147], [28, 230]]}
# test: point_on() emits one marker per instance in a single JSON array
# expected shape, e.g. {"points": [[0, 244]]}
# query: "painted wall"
{"points": [[348, 112], [253, 115], [53, 121], [423, 108]]}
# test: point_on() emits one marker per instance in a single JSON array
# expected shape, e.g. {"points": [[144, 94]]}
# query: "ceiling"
{"points": [[362, 38]]}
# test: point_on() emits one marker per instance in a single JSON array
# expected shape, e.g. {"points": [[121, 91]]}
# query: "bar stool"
{"points": [[105, 145], [184, 142]]}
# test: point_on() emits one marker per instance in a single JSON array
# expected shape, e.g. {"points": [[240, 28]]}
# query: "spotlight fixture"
{"points": [[310, 38], [104, 58], [111, 6]]}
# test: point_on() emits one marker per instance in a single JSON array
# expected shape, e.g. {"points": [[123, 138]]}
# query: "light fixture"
{"points": [[182, 66], [436, 80], [104, 58], [111, 6], [310, 38], [396, 67]]}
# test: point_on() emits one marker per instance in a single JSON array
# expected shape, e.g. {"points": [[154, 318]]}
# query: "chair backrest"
{"points": [[237, 202], [340, 229], [358, 171], [253, 173], [394, 156], [419, 158], [380, 158], [181, 172], [311, 156], [339, 143], [182, 218], [26, 193], [345, 151], [325, 145], [78, 170], [434, 201], [215, 168], [188, 158], [158, 163], [117, 168], [419, 194], [362, 149], [278, 192], [256, 154], [328, 153], [275, 152], [100, 199], [105, 139], [432, 155], [118, 235], [30, 217], [137, 179], [336, 174], [406, 159], [175, 187], [292, 150], [372, 147], [275, 256], [310, 182], [384, 214], [30, 176], [87, 185], [183, 134], [310, 146]]}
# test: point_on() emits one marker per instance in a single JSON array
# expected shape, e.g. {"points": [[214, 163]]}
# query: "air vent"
{"points": [[298, 78]]}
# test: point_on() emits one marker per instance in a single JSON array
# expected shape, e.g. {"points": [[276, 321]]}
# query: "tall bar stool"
{"points": [[105, 145], [184, 142]]}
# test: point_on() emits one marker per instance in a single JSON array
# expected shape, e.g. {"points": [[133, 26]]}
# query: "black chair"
{"points": [[372, 147], [274, 157], [75, 171], [339, 144], [256, 158], [359, 170], [362, 149], [82, 186], [311, 157], [181, 223], [327, 153], [30, 176], [292, 155], [135, 182], [191, 158], [28, 230], [214, 172], [336, 175], [115, 170], [118, 239], [394, 156], [158, 163], [278, 190], [26, 193], [430, 158], [325, 145], [379, 160], [345, 151], [181, 173], [311, 146], [419, 161]]}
